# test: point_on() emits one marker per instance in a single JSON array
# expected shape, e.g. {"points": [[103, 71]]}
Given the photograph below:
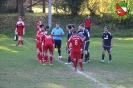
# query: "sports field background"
{"points": [[20, 69]]}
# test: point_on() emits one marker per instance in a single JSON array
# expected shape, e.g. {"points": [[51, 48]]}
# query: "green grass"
{"points": [[20, 69]]}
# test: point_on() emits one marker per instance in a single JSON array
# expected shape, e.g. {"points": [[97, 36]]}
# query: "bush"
{"points": [[117, 28]]}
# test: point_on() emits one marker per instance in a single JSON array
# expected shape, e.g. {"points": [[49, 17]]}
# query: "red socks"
{"points": [[80, 63], [51, 58], [20, 41], [74, 63]]}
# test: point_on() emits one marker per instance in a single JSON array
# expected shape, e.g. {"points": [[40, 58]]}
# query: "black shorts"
{"points": [[86, 45], [107, 48], [57, 43], [87, 29]]}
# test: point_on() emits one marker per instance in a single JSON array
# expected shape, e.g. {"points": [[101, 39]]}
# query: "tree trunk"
{"points": [[30, 5], [43, 6], [16, 5], [20, 8]]}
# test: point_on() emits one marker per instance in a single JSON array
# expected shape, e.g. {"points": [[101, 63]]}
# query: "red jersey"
{"points": [[20, 28], [48, 40], [38, 25], [87, 23], [76, 42], [38, 32], [40, 38]]}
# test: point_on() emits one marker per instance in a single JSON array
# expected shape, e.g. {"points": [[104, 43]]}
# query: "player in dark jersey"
{"points": [[80, 34], [77, 46], [107, 44], [86, 40], [69, 28]]}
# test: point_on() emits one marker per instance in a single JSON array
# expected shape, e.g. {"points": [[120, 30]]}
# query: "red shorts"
{"points": [[48, 47], [76, 54], [20, 33]]}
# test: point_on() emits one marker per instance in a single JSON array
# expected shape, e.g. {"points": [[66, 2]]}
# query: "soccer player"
{"points": [[107, 44], [57, 34], [77, 46], [39, 39], [69, 28], [86, 40], [48, 45], [20, 30], [87, 23], [80, 34], [38, 24]]}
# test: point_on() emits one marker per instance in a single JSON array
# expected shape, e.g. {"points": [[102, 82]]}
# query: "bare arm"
{"points": [[84, 38], [112, 42], [102, 43]]}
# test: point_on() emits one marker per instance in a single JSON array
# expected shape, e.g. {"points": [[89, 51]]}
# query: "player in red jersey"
{"points": [[39, 39], [77, 47], [20, 30], [48, 45], [38, 24], [87, 23]]}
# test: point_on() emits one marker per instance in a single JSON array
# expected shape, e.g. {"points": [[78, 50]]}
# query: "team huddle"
{"points": [[77, 44]]}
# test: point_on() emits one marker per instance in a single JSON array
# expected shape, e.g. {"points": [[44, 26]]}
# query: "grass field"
{"points": [[20, 69]]}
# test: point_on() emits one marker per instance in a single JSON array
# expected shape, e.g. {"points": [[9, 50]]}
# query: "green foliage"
{"points": [[117, 28], [74, 6], [68, 6]]}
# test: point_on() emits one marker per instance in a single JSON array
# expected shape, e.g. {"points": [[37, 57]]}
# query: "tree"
{"points": [[74, 6], [20, 7]]}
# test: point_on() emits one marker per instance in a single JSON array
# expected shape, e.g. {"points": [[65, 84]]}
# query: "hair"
{"points": [[41, 25], [47, 27], [42, 30], [69, 26], [73, 26], [74, 32], [106, 27], [58, 23], [82, 25]]}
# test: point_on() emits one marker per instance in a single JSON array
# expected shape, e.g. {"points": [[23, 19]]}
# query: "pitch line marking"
{"points": [[86, 75], [79, 72]]}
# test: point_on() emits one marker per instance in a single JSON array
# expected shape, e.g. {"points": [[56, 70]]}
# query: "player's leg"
{"points": [[103, 53], [109, 53], [19, 40], [45, 54], [59, 49], [22, 42], [51, 53], [86, 45], [40, 54], [78, 57]]}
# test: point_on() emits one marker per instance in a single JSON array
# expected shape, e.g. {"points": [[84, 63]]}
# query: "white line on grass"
{"points": [[86, 75], [79, 72], [28, 42]]}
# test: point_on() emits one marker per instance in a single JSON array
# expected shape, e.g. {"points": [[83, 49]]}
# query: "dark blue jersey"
{"points": [[86, 34], [69, 34], [107, 39]]}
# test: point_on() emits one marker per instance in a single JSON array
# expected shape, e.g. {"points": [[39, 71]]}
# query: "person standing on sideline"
{"points": [[107, 44], [87, 23], [86, 40], [77, 47], [57, 34], [20, 30]]}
